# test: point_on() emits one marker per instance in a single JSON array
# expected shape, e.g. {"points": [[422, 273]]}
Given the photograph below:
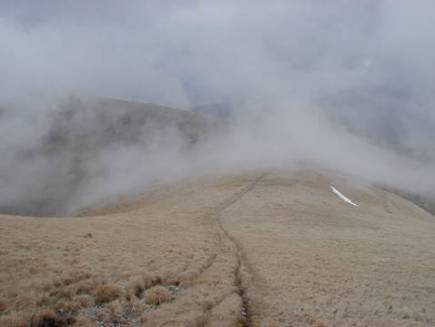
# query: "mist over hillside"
{"points": [[91, 149], [344, 84], [390, 123]]}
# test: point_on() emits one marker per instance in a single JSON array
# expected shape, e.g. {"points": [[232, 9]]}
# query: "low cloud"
{"points": [[346, 84]]}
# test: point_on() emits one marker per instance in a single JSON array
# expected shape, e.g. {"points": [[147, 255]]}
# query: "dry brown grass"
{"points": [[45, 318], [136, 288], [107, 293], [2, 307], [83, 321], [14, 319], [314, 260], [56, 264], [157, 295]]}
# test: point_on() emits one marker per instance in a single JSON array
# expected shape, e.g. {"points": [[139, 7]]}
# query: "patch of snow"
{"points": [[341, 196]]}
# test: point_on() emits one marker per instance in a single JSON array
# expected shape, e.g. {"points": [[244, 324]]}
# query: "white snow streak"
{"points": [[341, 196]]}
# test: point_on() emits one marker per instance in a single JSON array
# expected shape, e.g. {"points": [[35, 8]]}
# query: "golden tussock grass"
{"points": [[107, 293], [157, 295]]}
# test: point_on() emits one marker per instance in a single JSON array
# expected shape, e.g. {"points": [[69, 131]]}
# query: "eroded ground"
{"points": [[260, 249]]}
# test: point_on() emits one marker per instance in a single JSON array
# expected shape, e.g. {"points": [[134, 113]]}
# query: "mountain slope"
{"points": [[272, 248]]}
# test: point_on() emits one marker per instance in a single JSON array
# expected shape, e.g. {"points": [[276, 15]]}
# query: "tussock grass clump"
{"points": [[157, 295], [48, 318], [107, 293], [75, 304], [136, 288]]}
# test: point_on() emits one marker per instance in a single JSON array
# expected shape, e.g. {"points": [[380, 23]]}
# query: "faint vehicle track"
{"points": [[227, 260], [215, 281], [242, 261]]}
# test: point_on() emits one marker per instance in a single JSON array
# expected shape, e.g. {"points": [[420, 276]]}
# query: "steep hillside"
{"points": [[270, 248]]}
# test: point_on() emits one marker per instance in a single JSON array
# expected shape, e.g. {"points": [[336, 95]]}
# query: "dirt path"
{"points": [[323, 262], [227, 305], [238, 252], [248, 250]]}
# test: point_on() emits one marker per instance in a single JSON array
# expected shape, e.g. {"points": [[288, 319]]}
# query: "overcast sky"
{"points": [[370, 60], [198, 51]]}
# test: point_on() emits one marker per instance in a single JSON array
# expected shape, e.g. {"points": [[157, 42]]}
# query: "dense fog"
{"points": [[346, 85]]}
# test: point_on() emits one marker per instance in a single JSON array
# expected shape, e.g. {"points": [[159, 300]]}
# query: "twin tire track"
{"points": [[218, 286], [238, 252]]}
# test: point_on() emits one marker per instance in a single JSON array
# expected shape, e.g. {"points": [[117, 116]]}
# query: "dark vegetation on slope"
{"points": [[80, 132]]}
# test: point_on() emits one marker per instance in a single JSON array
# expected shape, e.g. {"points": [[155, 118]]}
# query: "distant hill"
{"points": [[220, 109], [81, 130]]}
